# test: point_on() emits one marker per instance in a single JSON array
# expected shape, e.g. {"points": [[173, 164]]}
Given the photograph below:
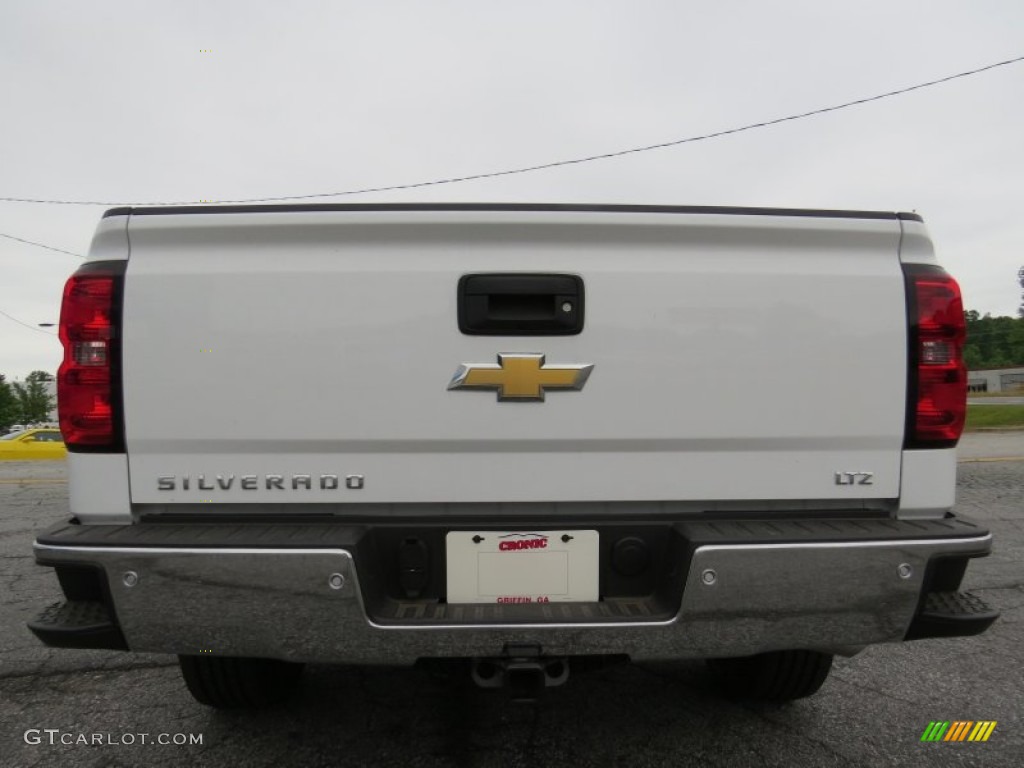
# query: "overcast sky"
{"points": [[119, 101]]}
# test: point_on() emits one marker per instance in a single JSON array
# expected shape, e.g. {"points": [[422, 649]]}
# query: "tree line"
{"points": [[993, 342], [25, 402]]}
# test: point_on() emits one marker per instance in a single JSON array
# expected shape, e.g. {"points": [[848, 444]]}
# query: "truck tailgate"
{"points": [[735, 357]]}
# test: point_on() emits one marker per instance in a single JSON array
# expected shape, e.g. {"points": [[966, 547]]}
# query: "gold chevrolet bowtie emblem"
{"points": [[520, 377]]}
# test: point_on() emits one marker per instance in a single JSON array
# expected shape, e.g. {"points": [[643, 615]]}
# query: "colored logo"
{"points": [[959, 730], [523, 541], [520, 377]]}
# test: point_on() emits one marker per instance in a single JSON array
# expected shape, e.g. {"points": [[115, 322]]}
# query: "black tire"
{"points": [[775, 676], [239, 683]]}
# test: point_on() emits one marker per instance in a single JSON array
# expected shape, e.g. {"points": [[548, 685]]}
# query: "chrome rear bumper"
{"points": [[307, 604]]}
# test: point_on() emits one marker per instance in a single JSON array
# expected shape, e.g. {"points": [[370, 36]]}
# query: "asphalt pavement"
{"points": [[992, 446], [871, 712]]}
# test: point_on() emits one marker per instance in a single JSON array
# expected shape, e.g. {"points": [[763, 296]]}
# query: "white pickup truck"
{"points": [[522, 436]]}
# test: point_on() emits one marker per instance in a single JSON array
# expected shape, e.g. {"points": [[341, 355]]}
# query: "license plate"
{"points": [[522, 566]]}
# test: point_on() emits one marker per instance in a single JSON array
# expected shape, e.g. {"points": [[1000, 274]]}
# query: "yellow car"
{"points": [[33, 444]]}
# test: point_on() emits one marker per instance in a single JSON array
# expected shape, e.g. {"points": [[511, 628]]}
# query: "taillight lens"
{"points": [[937, 392], [88, 382]]}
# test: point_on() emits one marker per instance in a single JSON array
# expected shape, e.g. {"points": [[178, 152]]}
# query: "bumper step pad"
{"points": [[78, 624], [951, 614]]}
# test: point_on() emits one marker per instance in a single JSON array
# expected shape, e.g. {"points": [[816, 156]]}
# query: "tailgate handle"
{"points": [[520, 305]]}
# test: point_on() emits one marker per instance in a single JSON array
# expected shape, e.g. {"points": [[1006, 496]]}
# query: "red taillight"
{"points": [[938, 377], [88, 390]]}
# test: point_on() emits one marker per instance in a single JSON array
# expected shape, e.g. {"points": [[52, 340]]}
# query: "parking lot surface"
{"points": [[871, 712]]}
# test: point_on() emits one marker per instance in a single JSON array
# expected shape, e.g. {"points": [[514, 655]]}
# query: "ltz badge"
{"points": [[520, 377]]}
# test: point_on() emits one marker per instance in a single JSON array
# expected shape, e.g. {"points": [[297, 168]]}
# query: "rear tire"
{"points": [[775, 676], [239, 683]]}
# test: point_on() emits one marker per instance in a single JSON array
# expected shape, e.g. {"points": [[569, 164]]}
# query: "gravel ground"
{"points": [[871, 712]]}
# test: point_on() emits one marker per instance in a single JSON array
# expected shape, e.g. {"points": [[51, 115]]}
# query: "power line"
{"points": [[545, 166], [37, 245], [30, 327], [40, 245]]}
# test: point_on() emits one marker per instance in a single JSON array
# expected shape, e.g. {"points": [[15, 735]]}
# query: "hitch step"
{"points": [[525, 678], [78, 624], [951, 614]]}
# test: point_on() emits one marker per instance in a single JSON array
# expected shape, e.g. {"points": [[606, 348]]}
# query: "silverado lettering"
{"points": [[252, 482]]}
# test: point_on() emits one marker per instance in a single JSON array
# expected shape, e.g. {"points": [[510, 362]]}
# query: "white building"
{"points": [[996, 380]]}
